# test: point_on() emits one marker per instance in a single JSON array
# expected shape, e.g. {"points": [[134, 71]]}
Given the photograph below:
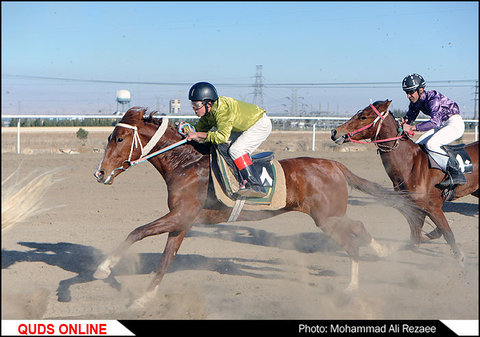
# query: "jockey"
{"points": [[242, 125], [445, 125]]}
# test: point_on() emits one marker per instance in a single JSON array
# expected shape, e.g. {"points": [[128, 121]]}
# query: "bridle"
{"points": [[380, 117], [136, 142]]}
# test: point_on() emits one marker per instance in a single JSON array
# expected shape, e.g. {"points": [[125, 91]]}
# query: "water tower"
{"points": [[123, 98]]}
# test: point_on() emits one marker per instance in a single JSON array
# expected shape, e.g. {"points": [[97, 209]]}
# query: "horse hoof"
{"points": [[137, 305], [351, 288], [140, 303], [102, 273], [380, 250], [435, 234], [104, 269], [424, 239], [460, 258], [412, 246]]}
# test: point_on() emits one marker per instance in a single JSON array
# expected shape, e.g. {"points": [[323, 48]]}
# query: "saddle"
{"points": [[458, 153], [455, 153], [225, 178]]}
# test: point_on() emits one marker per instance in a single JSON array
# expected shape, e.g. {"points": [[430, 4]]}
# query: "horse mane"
{"points": [[149, 118], [379, 102], [135, 114], [405, 137], [397, 125]]}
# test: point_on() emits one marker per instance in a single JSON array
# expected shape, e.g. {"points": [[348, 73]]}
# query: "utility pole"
{"points": [[296, 107], [258, 88], [475, 110], [475, 102]]}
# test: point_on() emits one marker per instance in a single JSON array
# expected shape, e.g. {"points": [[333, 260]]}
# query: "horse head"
{"points": [[363, 125], [124, 144]]}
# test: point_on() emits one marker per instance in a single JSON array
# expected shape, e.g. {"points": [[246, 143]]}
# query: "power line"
{"points": [[113, 81], [258, 85]]}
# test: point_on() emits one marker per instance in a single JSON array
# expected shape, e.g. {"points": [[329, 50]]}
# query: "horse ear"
{"points": [[149, 117], [388, 102], [143, 110], [135, 112], [152, 114]]}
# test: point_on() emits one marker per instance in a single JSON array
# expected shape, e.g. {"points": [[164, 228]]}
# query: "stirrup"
{"points": [[249, 192], [444, 184], [449, 182]]}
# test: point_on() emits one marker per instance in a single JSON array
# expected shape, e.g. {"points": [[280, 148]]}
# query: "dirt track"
{"points": [[280, 268]]}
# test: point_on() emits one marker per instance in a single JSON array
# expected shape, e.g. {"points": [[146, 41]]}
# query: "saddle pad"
{"points": [[433, 164], [458, 153], [226, 185], [455, 152]]}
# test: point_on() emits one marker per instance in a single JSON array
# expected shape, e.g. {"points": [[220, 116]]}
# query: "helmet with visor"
{"points": [[412, 83]]}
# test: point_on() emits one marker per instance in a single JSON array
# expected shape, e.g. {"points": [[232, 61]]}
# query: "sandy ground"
{"points": [[279, 268]]}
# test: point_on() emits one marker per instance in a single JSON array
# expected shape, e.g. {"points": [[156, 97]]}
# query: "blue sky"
{"points": [[222, 42]]}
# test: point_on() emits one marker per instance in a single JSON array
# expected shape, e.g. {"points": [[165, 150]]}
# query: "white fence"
{"points": [[316, 119]]}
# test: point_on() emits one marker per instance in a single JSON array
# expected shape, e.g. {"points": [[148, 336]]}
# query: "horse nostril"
{"points": [[99, 174]]}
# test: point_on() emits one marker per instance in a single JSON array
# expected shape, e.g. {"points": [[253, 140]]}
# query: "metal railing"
{"points": [[187, 117]]}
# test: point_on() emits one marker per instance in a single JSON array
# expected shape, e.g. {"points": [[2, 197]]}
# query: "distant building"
{"points": [[175, 106]]}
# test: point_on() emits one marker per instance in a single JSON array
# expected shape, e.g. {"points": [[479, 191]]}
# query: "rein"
{"points": [[136, 142]]}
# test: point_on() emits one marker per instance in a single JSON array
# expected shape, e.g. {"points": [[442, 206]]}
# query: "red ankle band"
{"points": [[243, 161]]}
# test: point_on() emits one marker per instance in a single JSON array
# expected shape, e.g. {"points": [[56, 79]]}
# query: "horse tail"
{"points": [[395, 199], [23, 199]]}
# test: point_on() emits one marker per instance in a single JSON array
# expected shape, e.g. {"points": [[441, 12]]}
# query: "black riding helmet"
{"points": [[412, 83], [203, 91]]}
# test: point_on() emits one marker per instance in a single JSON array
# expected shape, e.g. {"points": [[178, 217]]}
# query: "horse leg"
{"points": [[441, 222], [165, 224], [353, 285], [105, 268], [341, 230], [174, 241], [435, 234], [416, 224], [348, 234]]}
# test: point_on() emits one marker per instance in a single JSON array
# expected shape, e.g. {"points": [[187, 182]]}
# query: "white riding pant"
{"points": [[250, 139], [450, 130]]}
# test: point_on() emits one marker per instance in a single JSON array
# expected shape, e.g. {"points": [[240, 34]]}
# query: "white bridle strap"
{"points": [[156, 137], [151, 143], [136, 138], [380, 117]]}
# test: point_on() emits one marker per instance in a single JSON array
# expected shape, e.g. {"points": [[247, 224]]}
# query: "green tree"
{"points": [[82, 134]]}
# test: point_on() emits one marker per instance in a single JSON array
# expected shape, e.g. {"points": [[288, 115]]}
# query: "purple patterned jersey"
{"points": [[434, 104]]}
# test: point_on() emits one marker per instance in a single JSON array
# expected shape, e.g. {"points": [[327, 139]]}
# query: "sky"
{"points": [[72, 57]]}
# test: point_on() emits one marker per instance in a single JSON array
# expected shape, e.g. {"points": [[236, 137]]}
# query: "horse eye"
{"points": [[119, 140], [363, 117]]}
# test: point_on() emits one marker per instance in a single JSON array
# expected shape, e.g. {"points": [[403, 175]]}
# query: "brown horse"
{"points": [[317, 187], [407, 165]]}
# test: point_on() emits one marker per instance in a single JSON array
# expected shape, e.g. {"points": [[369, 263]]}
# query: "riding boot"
{"points": [[455, 175], [250, 185]]}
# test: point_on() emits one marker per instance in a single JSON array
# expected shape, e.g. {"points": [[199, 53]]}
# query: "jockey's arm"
{"points": [[197, 136]]}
